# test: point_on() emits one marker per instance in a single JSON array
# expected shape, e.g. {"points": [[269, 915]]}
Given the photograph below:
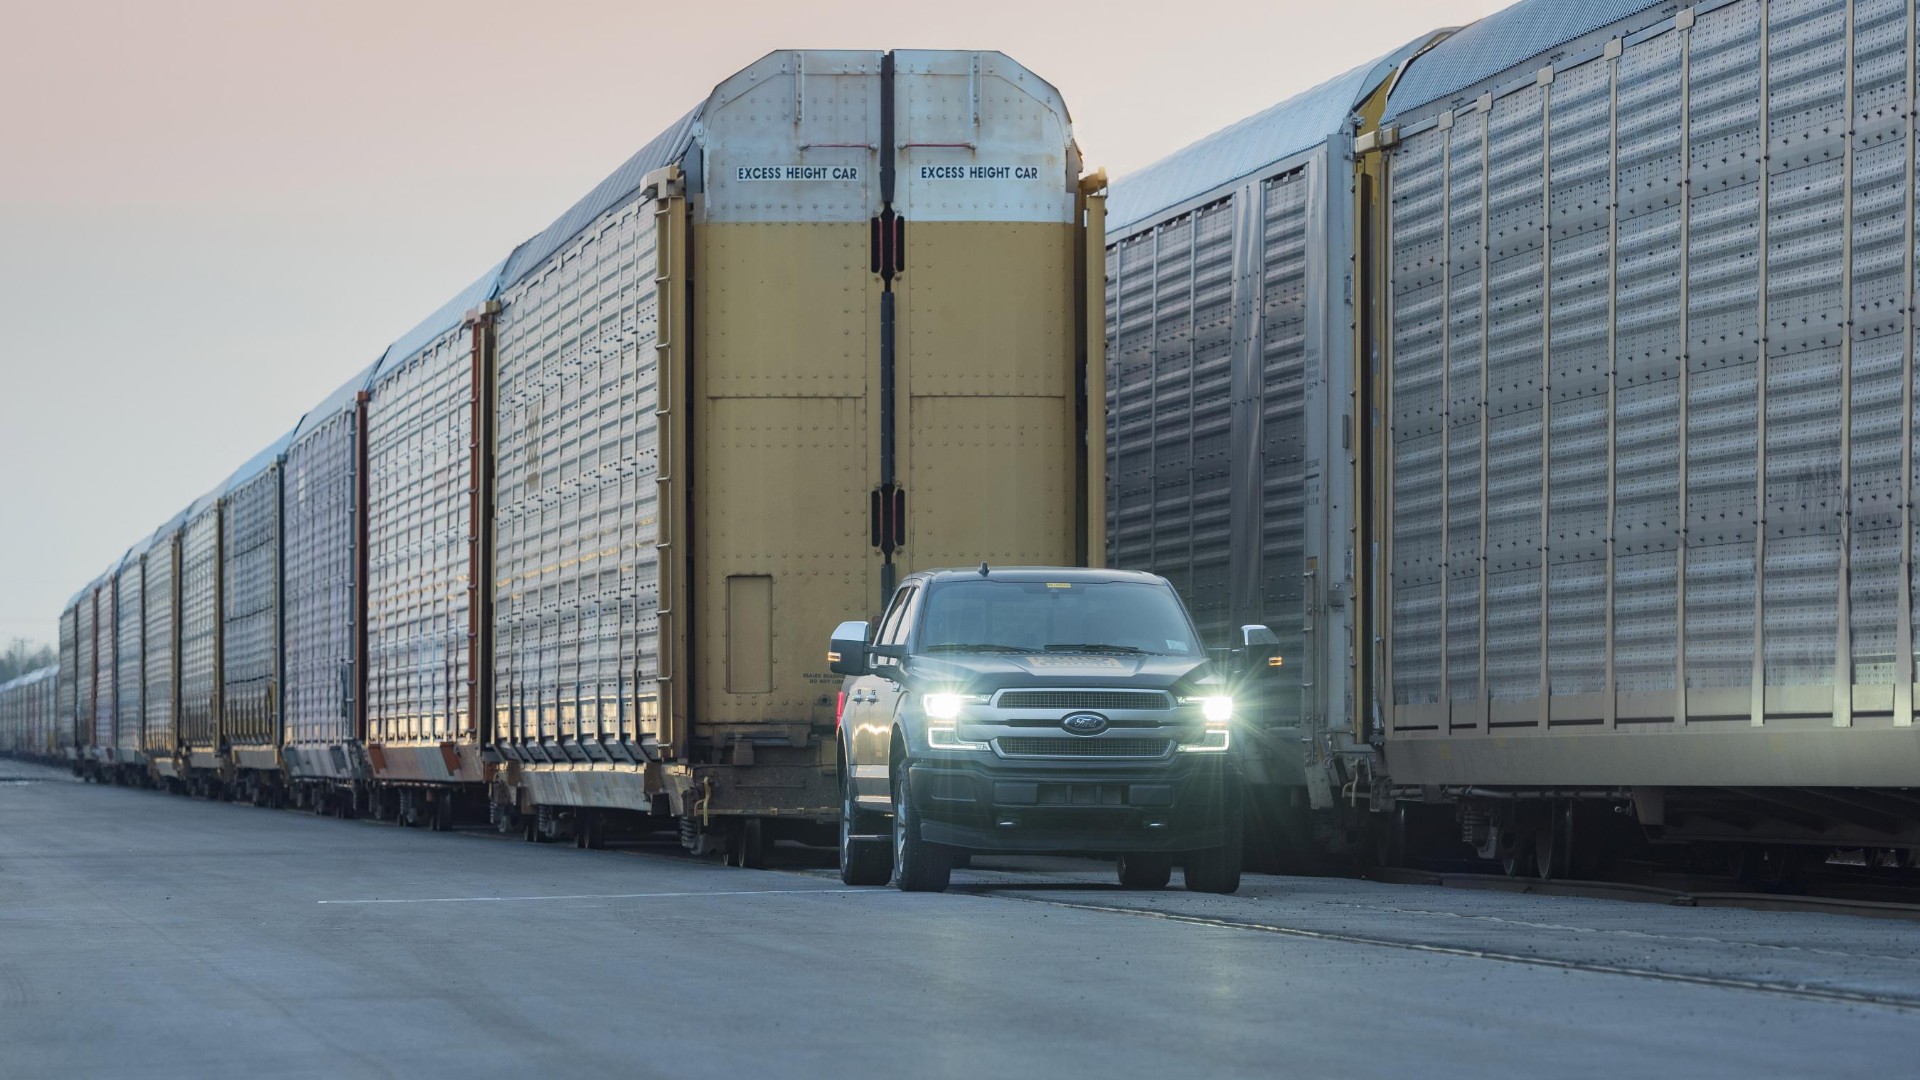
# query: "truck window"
{"points": [[1040, 616], [890, 626]]}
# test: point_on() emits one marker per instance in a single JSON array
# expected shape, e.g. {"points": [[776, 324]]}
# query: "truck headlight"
{"points": [[1216, 710], [948, 706], [947, 737]]}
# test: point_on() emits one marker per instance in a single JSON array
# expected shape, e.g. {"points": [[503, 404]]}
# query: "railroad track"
{"points": [[1703, 895], [1799, 991]]}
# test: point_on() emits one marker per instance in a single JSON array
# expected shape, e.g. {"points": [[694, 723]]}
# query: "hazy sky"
{"points": [[212, 212]]}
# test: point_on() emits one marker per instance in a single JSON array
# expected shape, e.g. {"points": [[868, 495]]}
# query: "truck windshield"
{"points": [[1055, 616]]}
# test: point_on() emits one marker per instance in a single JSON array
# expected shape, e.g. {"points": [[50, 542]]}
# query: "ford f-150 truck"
{"points": [[1035, 710]]}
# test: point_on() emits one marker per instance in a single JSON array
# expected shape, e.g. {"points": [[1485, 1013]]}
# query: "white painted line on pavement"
{"points": [[599, 896]]}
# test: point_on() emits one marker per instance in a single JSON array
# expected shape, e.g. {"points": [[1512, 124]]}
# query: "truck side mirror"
{"points": [[1259, 649], [847, 655]]}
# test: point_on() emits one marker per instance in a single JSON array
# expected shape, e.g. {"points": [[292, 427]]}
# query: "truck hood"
{"points": [[987, 672]]}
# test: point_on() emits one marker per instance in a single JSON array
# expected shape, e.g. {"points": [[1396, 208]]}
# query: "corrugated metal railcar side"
{"points": [[200, 636], [13, 715], [424, 558], [67, 690], [1230, 342], [105, 668], [46, 717], [321, 494], [160, 578], [129, 663], [577, 515], [27, 707], [250, 614], [1652, 397], [80, 736]]}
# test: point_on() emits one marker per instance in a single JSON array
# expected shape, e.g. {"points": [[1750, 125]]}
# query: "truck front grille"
{"points": [[1065, 700], [1027, 746]]}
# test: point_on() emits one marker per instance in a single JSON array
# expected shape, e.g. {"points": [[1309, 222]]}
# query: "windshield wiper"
{"points": [[963, 646], [1094, 646]]}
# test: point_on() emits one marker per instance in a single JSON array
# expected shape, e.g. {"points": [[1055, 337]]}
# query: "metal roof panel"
{"points": [[1299, 123], [1502, 40], [450, 315], [667, 147]]}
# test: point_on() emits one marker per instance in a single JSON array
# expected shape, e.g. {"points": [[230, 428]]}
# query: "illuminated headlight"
{"points": [[1214, 740], [948, 706], [1216, 710], [946, 737]]}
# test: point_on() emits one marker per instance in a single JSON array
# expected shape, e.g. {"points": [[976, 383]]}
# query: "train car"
{"points": [[200, 764], [250, 642], [67, 685], [160, 694], [1231, 327], [1625, 422], [125, 761], [1650, 383], [427, 596], [13, 716], [828, 328], [323, 495], [28, 704], [105, 669], [79, 739]]}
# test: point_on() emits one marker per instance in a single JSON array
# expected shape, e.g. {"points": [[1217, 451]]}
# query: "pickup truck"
{"points": [[1035, 710]]}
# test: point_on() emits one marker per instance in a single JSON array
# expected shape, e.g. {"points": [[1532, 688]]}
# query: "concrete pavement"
{"points": [[145, 934]]}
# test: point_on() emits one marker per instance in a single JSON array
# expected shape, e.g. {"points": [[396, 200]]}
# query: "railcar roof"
{"points": [[1299, 123], [1501, 40]]}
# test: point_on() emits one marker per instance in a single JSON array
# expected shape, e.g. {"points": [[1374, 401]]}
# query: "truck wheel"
{"points": [[1144, 871], [862, 862], [1217, 870], [917, 865]]}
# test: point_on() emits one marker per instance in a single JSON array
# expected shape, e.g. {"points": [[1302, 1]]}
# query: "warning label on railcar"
{"points": [[979, 172], [789, 173]]}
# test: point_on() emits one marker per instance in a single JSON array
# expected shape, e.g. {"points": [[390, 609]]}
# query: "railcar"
{"points": [[27, 710], [250, 630], [66, 689], [324, 629], [124, 755], [830, 328], [1626, 424], [160, 615], [200, 766]]}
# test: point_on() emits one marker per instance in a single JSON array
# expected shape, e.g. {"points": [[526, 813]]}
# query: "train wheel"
{"points": [[1553, 843], [1514, 848], [747, 845]]}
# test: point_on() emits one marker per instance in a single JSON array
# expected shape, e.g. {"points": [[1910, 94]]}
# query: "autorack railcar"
{"points": [[27, 711], [1625, 427]]}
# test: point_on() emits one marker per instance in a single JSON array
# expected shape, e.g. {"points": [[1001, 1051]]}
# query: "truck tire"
{"points": [[861, 862], [1217, 870], [1144, 871], [917, 865]]}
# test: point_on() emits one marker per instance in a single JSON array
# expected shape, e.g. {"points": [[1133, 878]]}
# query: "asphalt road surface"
{"points": [[150, 935]]}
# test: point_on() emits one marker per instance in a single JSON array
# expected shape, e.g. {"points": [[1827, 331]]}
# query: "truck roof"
{"points": [[1038, 573]]}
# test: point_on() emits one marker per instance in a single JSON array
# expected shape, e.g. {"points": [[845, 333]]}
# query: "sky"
{"points": [[214, 212]]}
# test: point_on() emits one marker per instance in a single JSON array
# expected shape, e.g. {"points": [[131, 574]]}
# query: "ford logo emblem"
{"points": [[1084, 723]]}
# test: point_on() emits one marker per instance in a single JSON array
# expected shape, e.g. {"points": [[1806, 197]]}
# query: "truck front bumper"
{"points": [[985, 803]]}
